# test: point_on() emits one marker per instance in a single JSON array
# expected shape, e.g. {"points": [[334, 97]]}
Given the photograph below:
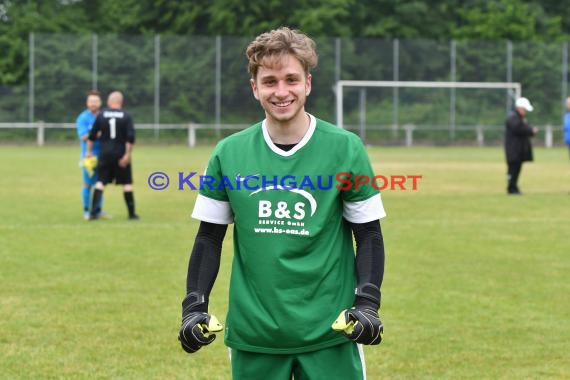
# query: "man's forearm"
{"points": [[369, 260], [205, 259], [128, 149]]}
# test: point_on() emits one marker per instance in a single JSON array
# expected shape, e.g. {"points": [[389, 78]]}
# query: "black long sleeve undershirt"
{"points": [[369, 261], [204, 262]]}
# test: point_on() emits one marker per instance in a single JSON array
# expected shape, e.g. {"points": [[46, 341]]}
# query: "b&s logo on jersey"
{"points": [[284, 210]]}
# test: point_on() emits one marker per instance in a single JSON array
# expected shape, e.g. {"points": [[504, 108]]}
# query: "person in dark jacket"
{"points": [[518, 148]]}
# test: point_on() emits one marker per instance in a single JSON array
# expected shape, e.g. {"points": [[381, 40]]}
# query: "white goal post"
{"points": [[341, 84]]}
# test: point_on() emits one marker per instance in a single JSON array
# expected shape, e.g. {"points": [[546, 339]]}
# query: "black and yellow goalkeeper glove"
{"points": [[361, 323], [198, 327], [198, 330], [90, 163]]}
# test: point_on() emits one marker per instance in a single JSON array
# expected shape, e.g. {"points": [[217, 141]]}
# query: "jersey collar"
{"points": [[302, 143]]}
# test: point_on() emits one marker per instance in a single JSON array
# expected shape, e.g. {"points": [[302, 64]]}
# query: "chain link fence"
{"points": [[178, 86]]}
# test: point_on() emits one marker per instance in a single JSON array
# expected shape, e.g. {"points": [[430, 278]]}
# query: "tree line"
{"points": [[516, 20]]}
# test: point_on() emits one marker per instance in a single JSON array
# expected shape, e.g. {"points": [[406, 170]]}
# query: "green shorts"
{"points": [[341, 362]]}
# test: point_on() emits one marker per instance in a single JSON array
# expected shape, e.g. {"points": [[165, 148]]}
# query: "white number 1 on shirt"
{"points": [[113, 128]]}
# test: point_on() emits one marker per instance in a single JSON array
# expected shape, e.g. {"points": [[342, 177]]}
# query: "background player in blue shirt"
{"points": [[567, 123], [84, 123]]}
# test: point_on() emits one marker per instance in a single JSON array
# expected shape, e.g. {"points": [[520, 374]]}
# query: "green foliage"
{"points": [[476, 19], [22, 17], [62, 76], [187, 64], [405, 19], [507, 19]]}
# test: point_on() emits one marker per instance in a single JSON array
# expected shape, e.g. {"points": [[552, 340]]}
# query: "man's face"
{"points": [[282, 89], [93, 103]]}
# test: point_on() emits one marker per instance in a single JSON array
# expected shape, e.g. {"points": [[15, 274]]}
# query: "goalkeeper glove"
{"points": [[198, 327], [361, 323], [90, 163]]}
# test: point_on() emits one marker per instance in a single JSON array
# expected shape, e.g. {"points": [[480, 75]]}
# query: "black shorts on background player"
{"points": [[110, 171]]}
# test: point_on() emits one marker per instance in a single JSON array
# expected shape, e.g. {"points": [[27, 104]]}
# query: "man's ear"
{"points": [[254, 88], [308, 84]]}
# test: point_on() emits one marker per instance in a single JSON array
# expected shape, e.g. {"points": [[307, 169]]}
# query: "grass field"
{"points": [[476, 283]]}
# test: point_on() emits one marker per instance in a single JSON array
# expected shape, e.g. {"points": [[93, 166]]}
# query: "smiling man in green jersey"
{"points": [[294, 267]]}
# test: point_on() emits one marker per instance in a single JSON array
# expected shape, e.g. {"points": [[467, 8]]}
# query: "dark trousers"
{"points": [[514, 169]]}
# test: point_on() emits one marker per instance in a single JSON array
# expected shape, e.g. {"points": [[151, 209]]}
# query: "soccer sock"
{"points": [[100, 205], [97, 194], [85, 192], [130, 201]]}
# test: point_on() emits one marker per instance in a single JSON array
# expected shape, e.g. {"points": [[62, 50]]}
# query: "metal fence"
{"points": [[479, 136], [202, 81]]}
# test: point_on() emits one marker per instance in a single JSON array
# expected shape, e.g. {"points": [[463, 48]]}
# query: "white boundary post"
{"points": [[191, 135], [40, 133], [480, 135], [409, 128], [548, 136]]}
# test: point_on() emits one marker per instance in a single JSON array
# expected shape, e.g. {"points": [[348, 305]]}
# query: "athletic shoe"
{"points": [[134, 217], [86, 215], [93, 216], [104, 215]]}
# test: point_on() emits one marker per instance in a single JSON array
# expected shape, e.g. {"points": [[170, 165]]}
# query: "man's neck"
{"points": [[291, 132]]}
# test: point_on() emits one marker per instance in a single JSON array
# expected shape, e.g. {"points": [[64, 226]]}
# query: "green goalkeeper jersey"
{"points": [[293, 268]]}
